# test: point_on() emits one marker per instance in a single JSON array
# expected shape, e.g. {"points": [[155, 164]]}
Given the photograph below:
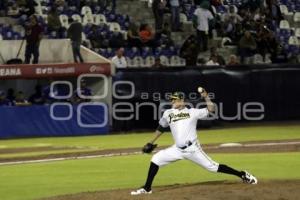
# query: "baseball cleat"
{"points": [[141, 191], [249, 178]]}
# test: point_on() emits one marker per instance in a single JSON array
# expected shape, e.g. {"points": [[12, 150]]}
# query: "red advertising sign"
{"points": [[25, 71]]}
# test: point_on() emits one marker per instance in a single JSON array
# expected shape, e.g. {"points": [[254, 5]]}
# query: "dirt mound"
{"points": [[217, 190]]}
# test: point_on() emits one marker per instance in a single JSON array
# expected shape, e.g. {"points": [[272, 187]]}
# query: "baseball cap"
{"points": [[176, 95]]}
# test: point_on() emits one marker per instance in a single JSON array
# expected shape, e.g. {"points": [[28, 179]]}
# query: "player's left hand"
{"points": [[149, 147]]}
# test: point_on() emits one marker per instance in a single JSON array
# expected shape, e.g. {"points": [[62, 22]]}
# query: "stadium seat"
{"points": [[293, 40], [64, 21], [88, 19], [284, 10], [137, 61], [284, 24], [114, 26], [77, 18], [149, 61], [183, 18], [175, 61], [258, 59], [146, 51], [296, 19], [100, 19], [297, 33], [129, 61], [86, 10], [164, 60]]}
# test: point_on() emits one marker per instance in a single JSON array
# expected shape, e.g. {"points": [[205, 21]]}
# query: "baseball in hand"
{"points": [[200, 90]]}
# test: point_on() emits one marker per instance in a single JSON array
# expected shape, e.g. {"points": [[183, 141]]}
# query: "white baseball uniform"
{"points": [[183, 124]]}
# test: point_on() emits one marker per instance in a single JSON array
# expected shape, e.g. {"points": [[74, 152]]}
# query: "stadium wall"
{"points": [[276, 87]]}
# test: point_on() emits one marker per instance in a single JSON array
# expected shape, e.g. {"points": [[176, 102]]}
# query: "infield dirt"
{"points": [[216, 190]]}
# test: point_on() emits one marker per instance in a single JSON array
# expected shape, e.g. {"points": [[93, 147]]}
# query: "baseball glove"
{"points": [[149, 147]]}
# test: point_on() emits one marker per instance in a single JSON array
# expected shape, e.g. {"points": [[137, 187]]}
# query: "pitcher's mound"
{"points": [[215, 190]]}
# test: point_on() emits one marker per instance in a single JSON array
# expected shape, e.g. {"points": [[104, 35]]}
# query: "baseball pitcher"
{"points": [[182, 122]]}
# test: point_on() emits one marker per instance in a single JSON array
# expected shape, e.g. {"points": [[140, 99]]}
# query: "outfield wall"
{"points": [[276, 87]]}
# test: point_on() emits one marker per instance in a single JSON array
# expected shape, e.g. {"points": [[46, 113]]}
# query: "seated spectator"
{"points": [[247, 46], [119, 60], [133, 37], [10, 95], [157, 63], [116, 40], [147, 35], [233, 60], [29, 8], [214, 52], [97, 38], [54, 23], [20, 100], [166, 30], [37, 98], [213, 61], [190, 50], [232, 22], [84, 90], [4, 101]]}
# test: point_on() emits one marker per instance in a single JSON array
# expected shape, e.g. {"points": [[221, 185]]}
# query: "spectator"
{"points": [[252, 5], [29, 8], [274, 12], [4, 101], [34, 33], [10, 95], [214, 52], [84, 90], [37, 98], [116, 40], [175, 14], [97, 38], [20, 100], [232, 22], [266, 42], [202, 16], [54, 23], [158, 7], [147, 35], [133, 37], [166, 30], [75, 34], [3, 7], [157, 63], [119, 60], [213, 61], [247, 46], [60, 3], [190, 50], [233, 60]]}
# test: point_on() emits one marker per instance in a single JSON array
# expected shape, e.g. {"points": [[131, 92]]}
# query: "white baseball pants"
{"points": [[193, 153]]}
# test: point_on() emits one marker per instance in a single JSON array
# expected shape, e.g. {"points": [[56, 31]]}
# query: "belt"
{"points": [[186, 146]]}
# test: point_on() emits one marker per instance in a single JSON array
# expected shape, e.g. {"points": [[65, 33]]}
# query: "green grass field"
{"points": [[33, 181]]}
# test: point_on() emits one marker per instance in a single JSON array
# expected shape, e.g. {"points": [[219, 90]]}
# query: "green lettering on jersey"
{"points": [[177, 117]]}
